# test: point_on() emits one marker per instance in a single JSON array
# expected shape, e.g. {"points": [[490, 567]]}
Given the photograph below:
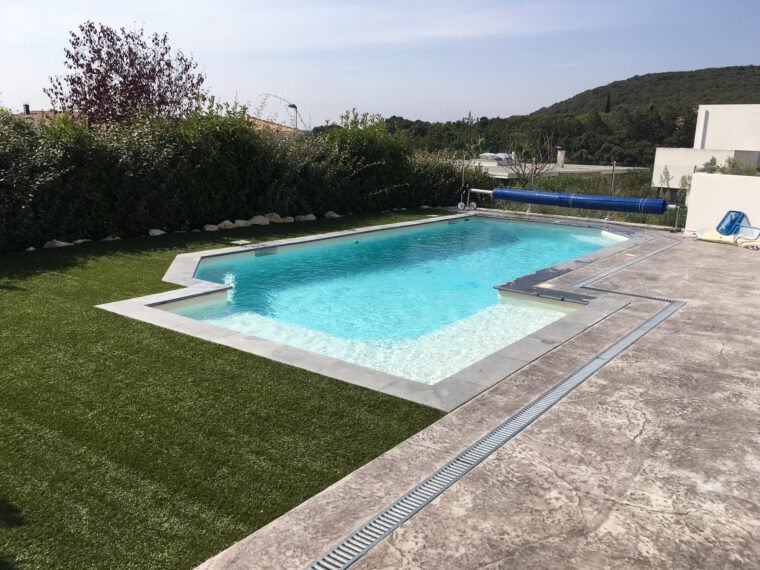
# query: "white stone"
{"points": [[259, 221], [156, 232], [310, 217], [111, 238], [331, 215], [30, 248], [83, 240], [210, 228], [56, 243], [425, 207], [287, 220], [226, 225], [182, 231], [242, 223], [197, 230], [300, 218], [402, 209], [274, 217]]}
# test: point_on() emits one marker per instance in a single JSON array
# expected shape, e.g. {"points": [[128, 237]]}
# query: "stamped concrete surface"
{"points": [[653, 461]]}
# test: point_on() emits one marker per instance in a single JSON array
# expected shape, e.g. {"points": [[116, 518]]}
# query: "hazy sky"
{"points": [[422, 60]]}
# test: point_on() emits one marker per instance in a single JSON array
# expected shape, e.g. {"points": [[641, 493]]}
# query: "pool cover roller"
{"points": [[584, 201]]}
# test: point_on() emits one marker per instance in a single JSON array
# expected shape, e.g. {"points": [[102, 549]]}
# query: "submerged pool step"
{"points": [[371, 533]]}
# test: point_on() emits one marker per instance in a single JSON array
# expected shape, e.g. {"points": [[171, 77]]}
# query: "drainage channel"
{"points": [[359, 542], [603, 274], [368, 535]]}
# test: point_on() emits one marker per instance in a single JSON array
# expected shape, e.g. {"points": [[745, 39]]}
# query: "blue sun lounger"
{"points": [[731, 224]]}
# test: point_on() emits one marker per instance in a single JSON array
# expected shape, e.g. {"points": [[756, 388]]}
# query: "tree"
{"points": [[730, 166], [532, 155], [665, 177], [117, 75]]}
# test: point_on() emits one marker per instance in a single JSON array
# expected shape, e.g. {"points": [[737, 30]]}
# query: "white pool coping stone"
{"points": [[446, 395]]}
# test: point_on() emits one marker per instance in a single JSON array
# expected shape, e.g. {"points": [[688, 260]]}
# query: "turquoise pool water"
{"points": [[402, 302]]}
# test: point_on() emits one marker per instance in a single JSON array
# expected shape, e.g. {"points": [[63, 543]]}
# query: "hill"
{"points": [[738, 84]]}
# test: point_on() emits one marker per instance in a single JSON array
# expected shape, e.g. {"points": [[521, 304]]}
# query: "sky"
{"points": [[434, 61]]}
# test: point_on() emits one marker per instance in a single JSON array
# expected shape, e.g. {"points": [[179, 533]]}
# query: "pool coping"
{"points": [[445, 395]]}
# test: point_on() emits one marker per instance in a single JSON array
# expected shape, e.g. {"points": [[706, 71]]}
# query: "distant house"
{"points": [[273, 126], [723, 131], [36, 117], [499, 165]]}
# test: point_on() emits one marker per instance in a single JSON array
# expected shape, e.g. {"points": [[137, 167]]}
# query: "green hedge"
{"points": [[67, 180]]}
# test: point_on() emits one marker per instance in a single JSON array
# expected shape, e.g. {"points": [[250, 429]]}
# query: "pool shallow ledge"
{"points": [[447, 394]]}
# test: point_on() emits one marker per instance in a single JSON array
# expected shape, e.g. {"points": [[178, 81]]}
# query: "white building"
{"points": [[722, 131]]}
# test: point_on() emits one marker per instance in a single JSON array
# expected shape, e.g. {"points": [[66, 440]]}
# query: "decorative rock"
{"points": [[30, 248], [310, 217], [425, 207], [402, 209], [183, 231], [196, 230], [331, 215], [274, 217], [242, 223], [259, 221], [287, 220], [300, 218], [156, 232], [240, 242], [226, 225], [83, 240], [56, 243], [111, 238], [210, 228]]}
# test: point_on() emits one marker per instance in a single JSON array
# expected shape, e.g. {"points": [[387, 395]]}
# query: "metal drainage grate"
{"points": [[617, 268], [368, 535], [648, 297]]}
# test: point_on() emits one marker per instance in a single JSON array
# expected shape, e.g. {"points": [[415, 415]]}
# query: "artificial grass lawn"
{"points": [[123, 444]]}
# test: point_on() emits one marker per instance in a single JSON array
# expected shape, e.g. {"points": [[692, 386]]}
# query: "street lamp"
{"points": [[288, 103], [295, 108]]}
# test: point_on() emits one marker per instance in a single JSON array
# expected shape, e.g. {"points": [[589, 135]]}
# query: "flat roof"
{"points": [[502, 171]]}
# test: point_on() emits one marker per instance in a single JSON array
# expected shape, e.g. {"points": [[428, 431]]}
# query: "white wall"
{"points": [[681, 162], [712, 195], [728, 126]]}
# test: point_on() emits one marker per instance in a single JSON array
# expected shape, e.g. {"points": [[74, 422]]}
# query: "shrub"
{"points": [[68, 180]]}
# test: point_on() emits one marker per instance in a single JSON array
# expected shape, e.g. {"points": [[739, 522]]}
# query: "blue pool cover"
{"points": [[584, 201]]}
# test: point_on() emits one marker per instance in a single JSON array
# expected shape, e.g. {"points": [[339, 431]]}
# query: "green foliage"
{"points": [[640, 113], [730, 166], [738, 84], [67, 180], [437, 176], [627, 135], [375, 161]]}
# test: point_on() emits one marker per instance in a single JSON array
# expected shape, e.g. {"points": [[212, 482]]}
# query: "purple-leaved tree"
{"points": [[118, 75]]}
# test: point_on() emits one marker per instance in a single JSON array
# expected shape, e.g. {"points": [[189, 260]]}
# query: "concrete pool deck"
{"points": [[653, 461]]}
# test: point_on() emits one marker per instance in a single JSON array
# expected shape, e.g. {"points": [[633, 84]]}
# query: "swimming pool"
{"points": [[418, 303]]}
